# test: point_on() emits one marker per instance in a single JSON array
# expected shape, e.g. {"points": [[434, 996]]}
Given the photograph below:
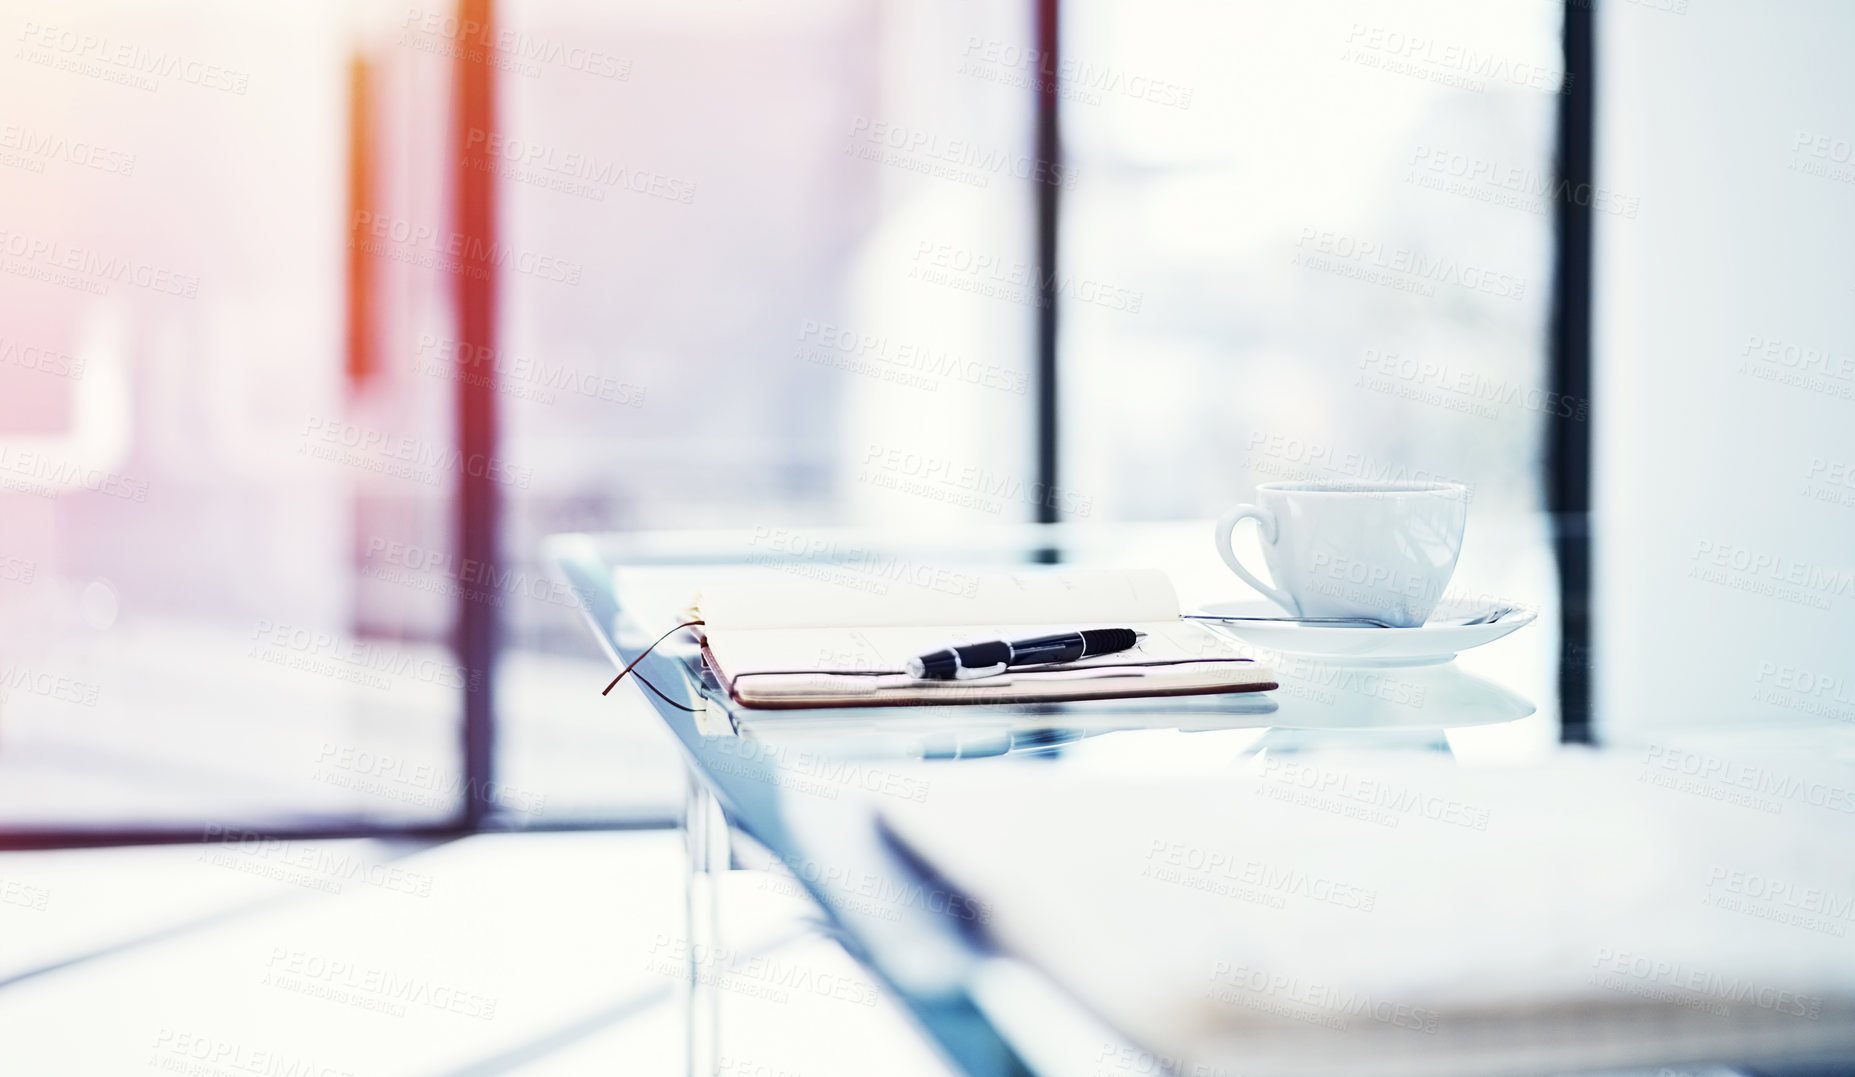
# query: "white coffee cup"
{"points": [[1383, 550]]}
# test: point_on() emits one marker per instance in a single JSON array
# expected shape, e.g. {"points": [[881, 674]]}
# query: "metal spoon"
{"points": [[1488, 618], [1369, 622]]}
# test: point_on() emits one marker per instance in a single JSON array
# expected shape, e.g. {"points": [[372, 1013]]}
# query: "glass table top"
{"points": [[811, 786]]}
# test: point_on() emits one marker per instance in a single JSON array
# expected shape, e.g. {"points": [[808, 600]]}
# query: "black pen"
{"points": [[988, 659]]}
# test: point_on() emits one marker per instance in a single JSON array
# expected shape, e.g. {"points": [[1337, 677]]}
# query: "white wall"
{"points": [[1725, 513]]}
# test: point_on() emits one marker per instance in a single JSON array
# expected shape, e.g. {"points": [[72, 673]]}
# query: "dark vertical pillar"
{"points": [[478, 503], [1568, 440], [1047, 180]]}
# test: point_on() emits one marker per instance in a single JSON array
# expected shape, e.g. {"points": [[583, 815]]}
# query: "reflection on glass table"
{"points": [[1317, 704]]}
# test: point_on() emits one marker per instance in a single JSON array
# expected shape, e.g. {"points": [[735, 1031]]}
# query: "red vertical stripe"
{"points": [[362, 287]]}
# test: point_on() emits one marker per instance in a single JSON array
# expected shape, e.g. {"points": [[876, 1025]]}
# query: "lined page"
{"points": [[782, 597], [741, 652]]}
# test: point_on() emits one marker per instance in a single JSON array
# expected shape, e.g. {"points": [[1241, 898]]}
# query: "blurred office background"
{"points": [[760, 265], [776, 265]]}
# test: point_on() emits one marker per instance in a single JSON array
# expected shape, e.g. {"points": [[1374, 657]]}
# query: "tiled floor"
{"points": [[511, 954]]}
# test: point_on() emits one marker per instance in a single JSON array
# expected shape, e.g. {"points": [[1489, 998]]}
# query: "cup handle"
{"points": [[1265, 522]]}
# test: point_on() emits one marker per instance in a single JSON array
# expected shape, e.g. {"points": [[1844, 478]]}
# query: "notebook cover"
{"points": [[1016, 688]]}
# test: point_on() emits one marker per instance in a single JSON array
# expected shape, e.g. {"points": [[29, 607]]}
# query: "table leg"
{"points": [[705, 832]]}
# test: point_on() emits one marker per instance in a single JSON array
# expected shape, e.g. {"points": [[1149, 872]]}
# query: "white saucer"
{"points": [[1425, 645]]}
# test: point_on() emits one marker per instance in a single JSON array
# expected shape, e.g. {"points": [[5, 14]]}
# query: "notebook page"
{"points": [[782, 597], [744, 652]]}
